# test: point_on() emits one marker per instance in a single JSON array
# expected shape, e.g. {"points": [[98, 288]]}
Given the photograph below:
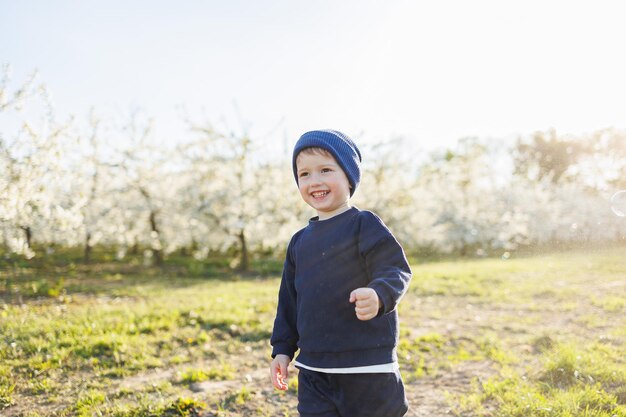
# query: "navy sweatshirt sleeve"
{"points": [[385, 261], [285, 335]]}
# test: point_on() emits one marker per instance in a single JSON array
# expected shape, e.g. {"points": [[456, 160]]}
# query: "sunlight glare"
{"points": [[618, 203]]}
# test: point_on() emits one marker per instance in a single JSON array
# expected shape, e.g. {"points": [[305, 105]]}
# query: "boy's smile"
{"points": [[322, 183], [319, 194]]}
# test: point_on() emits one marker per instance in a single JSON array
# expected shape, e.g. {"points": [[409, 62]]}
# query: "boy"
{"points": [[343, 277]]}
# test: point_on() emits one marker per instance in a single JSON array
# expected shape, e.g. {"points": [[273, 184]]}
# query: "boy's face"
{"points": [[323, 184]]}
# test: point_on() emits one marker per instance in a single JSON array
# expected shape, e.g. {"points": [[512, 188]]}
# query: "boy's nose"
{"points": [[316, 179]]}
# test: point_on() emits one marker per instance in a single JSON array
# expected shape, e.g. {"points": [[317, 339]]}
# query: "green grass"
{"points": [[221, 373], [574, 301], [141, 325], [569, 382], [540, 335]]}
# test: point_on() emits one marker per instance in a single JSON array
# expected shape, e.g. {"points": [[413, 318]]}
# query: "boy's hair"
{"points": [[339, 146]]}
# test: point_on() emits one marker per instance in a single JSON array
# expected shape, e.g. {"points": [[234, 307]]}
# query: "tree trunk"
{"points": [[87, 250], [29, 235], [244, 265], [157, 252], [134, 250]]}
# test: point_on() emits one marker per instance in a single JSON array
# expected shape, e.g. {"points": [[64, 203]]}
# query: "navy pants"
{"points": [[350, 395]]}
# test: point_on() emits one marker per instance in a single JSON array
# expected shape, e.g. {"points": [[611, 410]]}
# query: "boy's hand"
{"points": [[367, 303], [279, 371]]}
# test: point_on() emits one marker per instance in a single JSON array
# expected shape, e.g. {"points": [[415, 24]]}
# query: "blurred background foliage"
{"points": [[108, 184]]}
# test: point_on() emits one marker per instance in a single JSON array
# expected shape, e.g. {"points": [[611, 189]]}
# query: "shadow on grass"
{"points": [[63, 273], [41, 282]]}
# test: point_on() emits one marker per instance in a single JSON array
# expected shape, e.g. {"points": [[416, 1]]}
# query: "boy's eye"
{"points": [[304, 174], [326, 169]]}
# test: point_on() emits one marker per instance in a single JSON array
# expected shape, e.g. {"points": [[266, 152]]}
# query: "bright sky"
{"points": [[432, 71]]}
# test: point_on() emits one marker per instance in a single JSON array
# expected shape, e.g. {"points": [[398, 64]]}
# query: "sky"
{"points": [[429, 71]]}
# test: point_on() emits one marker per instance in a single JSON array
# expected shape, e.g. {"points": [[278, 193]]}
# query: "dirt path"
{"points": [[427, 396]]}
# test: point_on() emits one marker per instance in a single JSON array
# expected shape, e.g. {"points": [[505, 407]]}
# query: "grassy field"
{"points": [[534, 336]]}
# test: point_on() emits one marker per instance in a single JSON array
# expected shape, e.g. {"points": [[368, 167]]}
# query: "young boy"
{"points": [[343, 277]]}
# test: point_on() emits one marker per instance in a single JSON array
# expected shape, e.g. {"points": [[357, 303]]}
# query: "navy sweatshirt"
{"points": [[325, 262]]}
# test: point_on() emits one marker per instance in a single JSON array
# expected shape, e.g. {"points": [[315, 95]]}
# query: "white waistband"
{"points": [[371, 369]]}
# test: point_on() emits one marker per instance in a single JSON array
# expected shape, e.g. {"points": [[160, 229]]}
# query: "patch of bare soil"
{"points": [[427, 396]]}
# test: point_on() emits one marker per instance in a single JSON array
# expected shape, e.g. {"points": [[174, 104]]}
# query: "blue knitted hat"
{"points": [[341, 147]]}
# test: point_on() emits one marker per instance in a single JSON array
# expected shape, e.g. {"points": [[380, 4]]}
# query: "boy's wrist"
{"points": [[283, 349], [381, 304]]}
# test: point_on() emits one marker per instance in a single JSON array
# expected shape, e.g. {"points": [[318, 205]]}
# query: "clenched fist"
{"points": [[366, 302]]}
